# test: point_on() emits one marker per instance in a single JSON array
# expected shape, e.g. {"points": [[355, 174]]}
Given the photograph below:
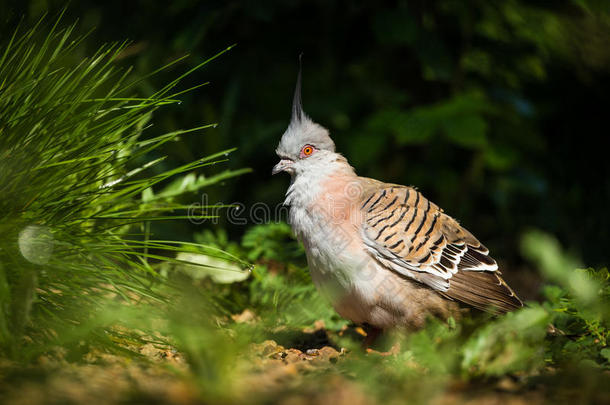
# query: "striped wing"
{"points": [[413, 237]]}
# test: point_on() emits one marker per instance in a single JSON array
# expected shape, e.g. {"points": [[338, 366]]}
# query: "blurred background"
{"points": [[494, 110]]}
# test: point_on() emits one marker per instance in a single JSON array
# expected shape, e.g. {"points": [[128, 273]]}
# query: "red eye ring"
{"points": [[307, 151]]}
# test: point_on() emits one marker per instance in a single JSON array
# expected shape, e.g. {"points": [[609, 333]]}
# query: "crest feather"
{"points": [[297, 105]]}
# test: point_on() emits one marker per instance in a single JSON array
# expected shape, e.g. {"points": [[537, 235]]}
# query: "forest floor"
{"points": [[275, 374]]}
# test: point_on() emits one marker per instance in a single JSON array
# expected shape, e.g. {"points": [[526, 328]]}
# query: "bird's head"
{"points": [[305, 145]]}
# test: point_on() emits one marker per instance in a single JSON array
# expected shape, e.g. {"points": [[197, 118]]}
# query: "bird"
{"points": [[384, 255]]}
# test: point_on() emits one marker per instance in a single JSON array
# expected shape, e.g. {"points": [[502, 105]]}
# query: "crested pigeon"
{"points": [[382, 254]]}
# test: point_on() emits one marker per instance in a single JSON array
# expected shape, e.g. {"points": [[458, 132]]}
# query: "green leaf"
{"points": [[605, 353], [199, 266], [511, 343], [466, 130]]}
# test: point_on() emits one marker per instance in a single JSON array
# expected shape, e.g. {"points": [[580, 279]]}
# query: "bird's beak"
{"points": [[283, 165]]}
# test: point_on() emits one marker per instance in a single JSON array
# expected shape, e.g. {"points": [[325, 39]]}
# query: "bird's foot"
{"points": [[394, 350]]}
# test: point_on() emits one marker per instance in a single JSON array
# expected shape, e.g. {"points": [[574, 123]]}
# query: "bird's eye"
{"points": [[307, 150]]}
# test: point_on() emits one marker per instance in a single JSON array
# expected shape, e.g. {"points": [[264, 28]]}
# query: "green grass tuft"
{"points": [[76, 189]]}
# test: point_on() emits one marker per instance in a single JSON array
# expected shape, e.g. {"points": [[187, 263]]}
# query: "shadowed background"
{"points": [[494, 111]]}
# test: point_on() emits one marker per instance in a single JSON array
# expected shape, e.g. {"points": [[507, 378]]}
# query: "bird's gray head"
{"points": [[304, 142]]}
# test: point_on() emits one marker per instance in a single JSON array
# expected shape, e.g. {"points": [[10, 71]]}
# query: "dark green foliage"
{"points": [[581, 333], [272, 242], [279, 289]]}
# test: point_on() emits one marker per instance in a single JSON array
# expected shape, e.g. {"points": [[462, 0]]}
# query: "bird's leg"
{"points": [[372, 333]]}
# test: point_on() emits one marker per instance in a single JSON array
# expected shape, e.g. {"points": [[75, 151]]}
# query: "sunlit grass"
{"points": [[76, 189]]}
